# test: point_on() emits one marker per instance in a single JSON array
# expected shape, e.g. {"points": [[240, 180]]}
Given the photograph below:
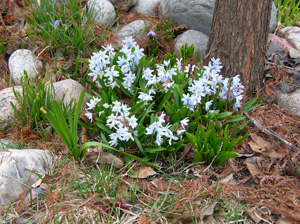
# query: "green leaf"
{"points": [[236, 118]]}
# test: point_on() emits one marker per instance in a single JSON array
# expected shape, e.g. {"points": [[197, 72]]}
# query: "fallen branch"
{"points": [[275, 136]]}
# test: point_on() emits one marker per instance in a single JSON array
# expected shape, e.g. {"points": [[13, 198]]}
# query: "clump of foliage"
{"points": [[146, 105], [62, 24]]}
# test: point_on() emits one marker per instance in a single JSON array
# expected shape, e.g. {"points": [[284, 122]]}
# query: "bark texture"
{"points": [[238, 37]]}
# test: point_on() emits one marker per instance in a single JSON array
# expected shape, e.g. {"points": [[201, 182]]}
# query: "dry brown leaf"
{"points": [[260, 141], [274, 155], [45, 179], [253, 169], [208, 211], [255, 147], [104, 157], [227, 179], [144, 220], [143, 173], [253, 214]]}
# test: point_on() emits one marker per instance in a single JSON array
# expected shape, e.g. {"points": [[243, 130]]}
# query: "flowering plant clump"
{"points": [[148, 105]]}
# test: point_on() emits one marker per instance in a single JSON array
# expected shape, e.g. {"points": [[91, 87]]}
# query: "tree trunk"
{"points": [[238, 37]]}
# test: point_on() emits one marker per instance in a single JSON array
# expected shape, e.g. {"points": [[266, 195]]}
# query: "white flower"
{"points": [[113, 121], [106, 105], [93, 102], [89, 115], [117, 107], [132, 122], [114, 139], [184, 122], [208, 105], [145, 96]]}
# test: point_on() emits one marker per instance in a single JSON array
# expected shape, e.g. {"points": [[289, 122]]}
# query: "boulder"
{"points": [[197, 14], [192, 37], [7, 97], [23, 60], [123, 5], [19, 169], [103, 12]]}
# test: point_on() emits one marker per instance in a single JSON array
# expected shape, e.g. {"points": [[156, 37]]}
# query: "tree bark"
{"points": [[238, 37]]}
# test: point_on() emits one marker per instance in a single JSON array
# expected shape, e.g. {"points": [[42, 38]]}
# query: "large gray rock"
{"points": [[292, 34], [21, 60], [192, 37], [197, 14], [145, 7], [290, 101], [137, 29], [6, 110], [123, 5], [103, 12], [19, 169]]}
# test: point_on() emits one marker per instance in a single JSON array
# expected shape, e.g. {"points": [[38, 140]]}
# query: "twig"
{"points": [[210, 165], [275, 136]]}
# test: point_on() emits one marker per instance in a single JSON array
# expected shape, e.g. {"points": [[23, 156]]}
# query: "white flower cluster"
{"points": [[209, 84], [100, 64], [162, 131], [123, 124]]}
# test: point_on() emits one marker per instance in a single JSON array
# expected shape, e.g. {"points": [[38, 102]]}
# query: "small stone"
{"points": [[192, 37], [7, 97], [145, 7], [292, 34], [294, 53], [103, 12], [123, 5], [68, 88], [137, 29], [290, 101], [23, 60]]}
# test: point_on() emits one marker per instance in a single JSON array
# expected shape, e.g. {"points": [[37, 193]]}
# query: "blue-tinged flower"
{"points": [[56, 23], [89, 115], [145, 96], [152, 33], [208, 105]]}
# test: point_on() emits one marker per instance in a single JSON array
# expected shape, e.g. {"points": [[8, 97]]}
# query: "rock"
{"points": [[277, 44], [294, 53], [7, 144], [123, 5], [70, 88], [15, 171], [21, 60], [292, 34], [192, 37], [290, 101], [145, 7], [103, 12], [137, 29], [6, 110], [197, 14]]}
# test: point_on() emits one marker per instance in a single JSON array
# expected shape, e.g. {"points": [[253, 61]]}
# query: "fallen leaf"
{"points": [[274, 155], [144, 220], [102, 157], [143, 173], [208, 211], [253, 214], [227, 179], [45, 179], [255, 147], [253, 169], [260, 141]]}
